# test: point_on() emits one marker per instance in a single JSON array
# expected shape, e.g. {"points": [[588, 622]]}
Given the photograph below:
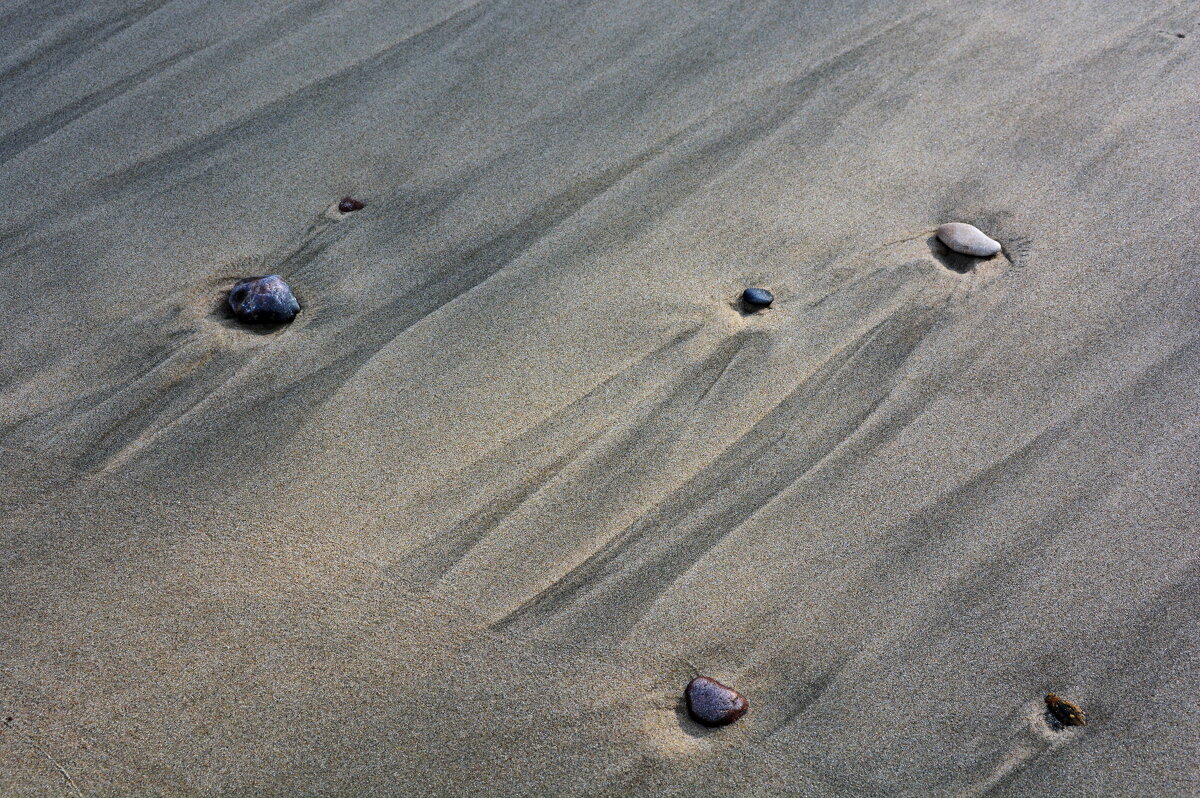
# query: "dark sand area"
{"points": [[522, 467]]}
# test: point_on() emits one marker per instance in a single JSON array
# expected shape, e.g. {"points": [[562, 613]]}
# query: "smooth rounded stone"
{"points": [[757, 298], [263, 300], [711, 703], [350, 205], [1064, 711], [967, 239]]}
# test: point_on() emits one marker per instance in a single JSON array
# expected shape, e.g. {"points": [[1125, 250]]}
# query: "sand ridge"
{"points": [[521, 468]]}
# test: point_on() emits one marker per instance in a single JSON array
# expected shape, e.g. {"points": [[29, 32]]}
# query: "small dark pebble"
{"points": [[263, 300], [350, 204], [757, 298], [711, 703], [1064, 711]]}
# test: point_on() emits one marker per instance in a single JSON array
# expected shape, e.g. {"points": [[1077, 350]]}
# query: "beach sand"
{"points": [[522, 468]]}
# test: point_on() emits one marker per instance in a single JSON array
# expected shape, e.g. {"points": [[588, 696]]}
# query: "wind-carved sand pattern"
{"points": [[521, 469], [1036, 735], [632, 507], [164, 385]]}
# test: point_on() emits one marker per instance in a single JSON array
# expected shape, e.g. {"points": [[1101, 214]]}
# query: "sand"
{"points": [[522, 468]]}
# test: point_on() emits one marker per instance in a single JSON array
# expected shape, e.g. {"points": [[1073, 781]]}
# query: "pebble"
{"points": [[1064, 711], [757, 298], [263, 300], [711, 703], [967, 239], [350, 205]]}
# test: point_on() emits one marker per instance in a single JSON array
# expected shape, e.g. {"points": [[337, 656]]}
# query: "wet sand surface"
{"points": [[523, 466]]}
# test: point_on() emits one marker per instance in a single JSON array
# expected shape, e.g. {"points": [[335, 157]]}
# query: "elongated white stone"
{"points": [[967, 239]]}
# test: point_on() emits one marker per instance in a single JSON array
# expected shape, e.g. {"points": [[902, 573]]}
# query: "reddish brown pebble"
{"points": [[350, 204], [711, 703], [1064, 711]]}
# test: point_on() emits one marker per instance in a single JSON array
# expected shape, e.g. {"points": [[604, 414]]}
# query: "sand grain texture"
{"points": [[521, 468]]}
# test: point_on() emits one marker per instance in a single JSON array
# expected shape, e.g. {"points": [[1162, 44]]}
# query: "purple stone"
{"points": [[263, 300], [711, 703], [350, 205]]}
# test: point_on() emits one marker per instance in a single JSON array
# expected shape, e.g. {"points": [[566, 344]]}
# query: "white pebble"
{"points": [[967, 239]]}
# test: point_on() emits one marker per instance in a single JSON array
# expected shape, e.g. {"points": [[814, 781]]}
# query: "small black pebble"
{"points": [[757, 298], [350, 204], [263, 300], [711, 703]]}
